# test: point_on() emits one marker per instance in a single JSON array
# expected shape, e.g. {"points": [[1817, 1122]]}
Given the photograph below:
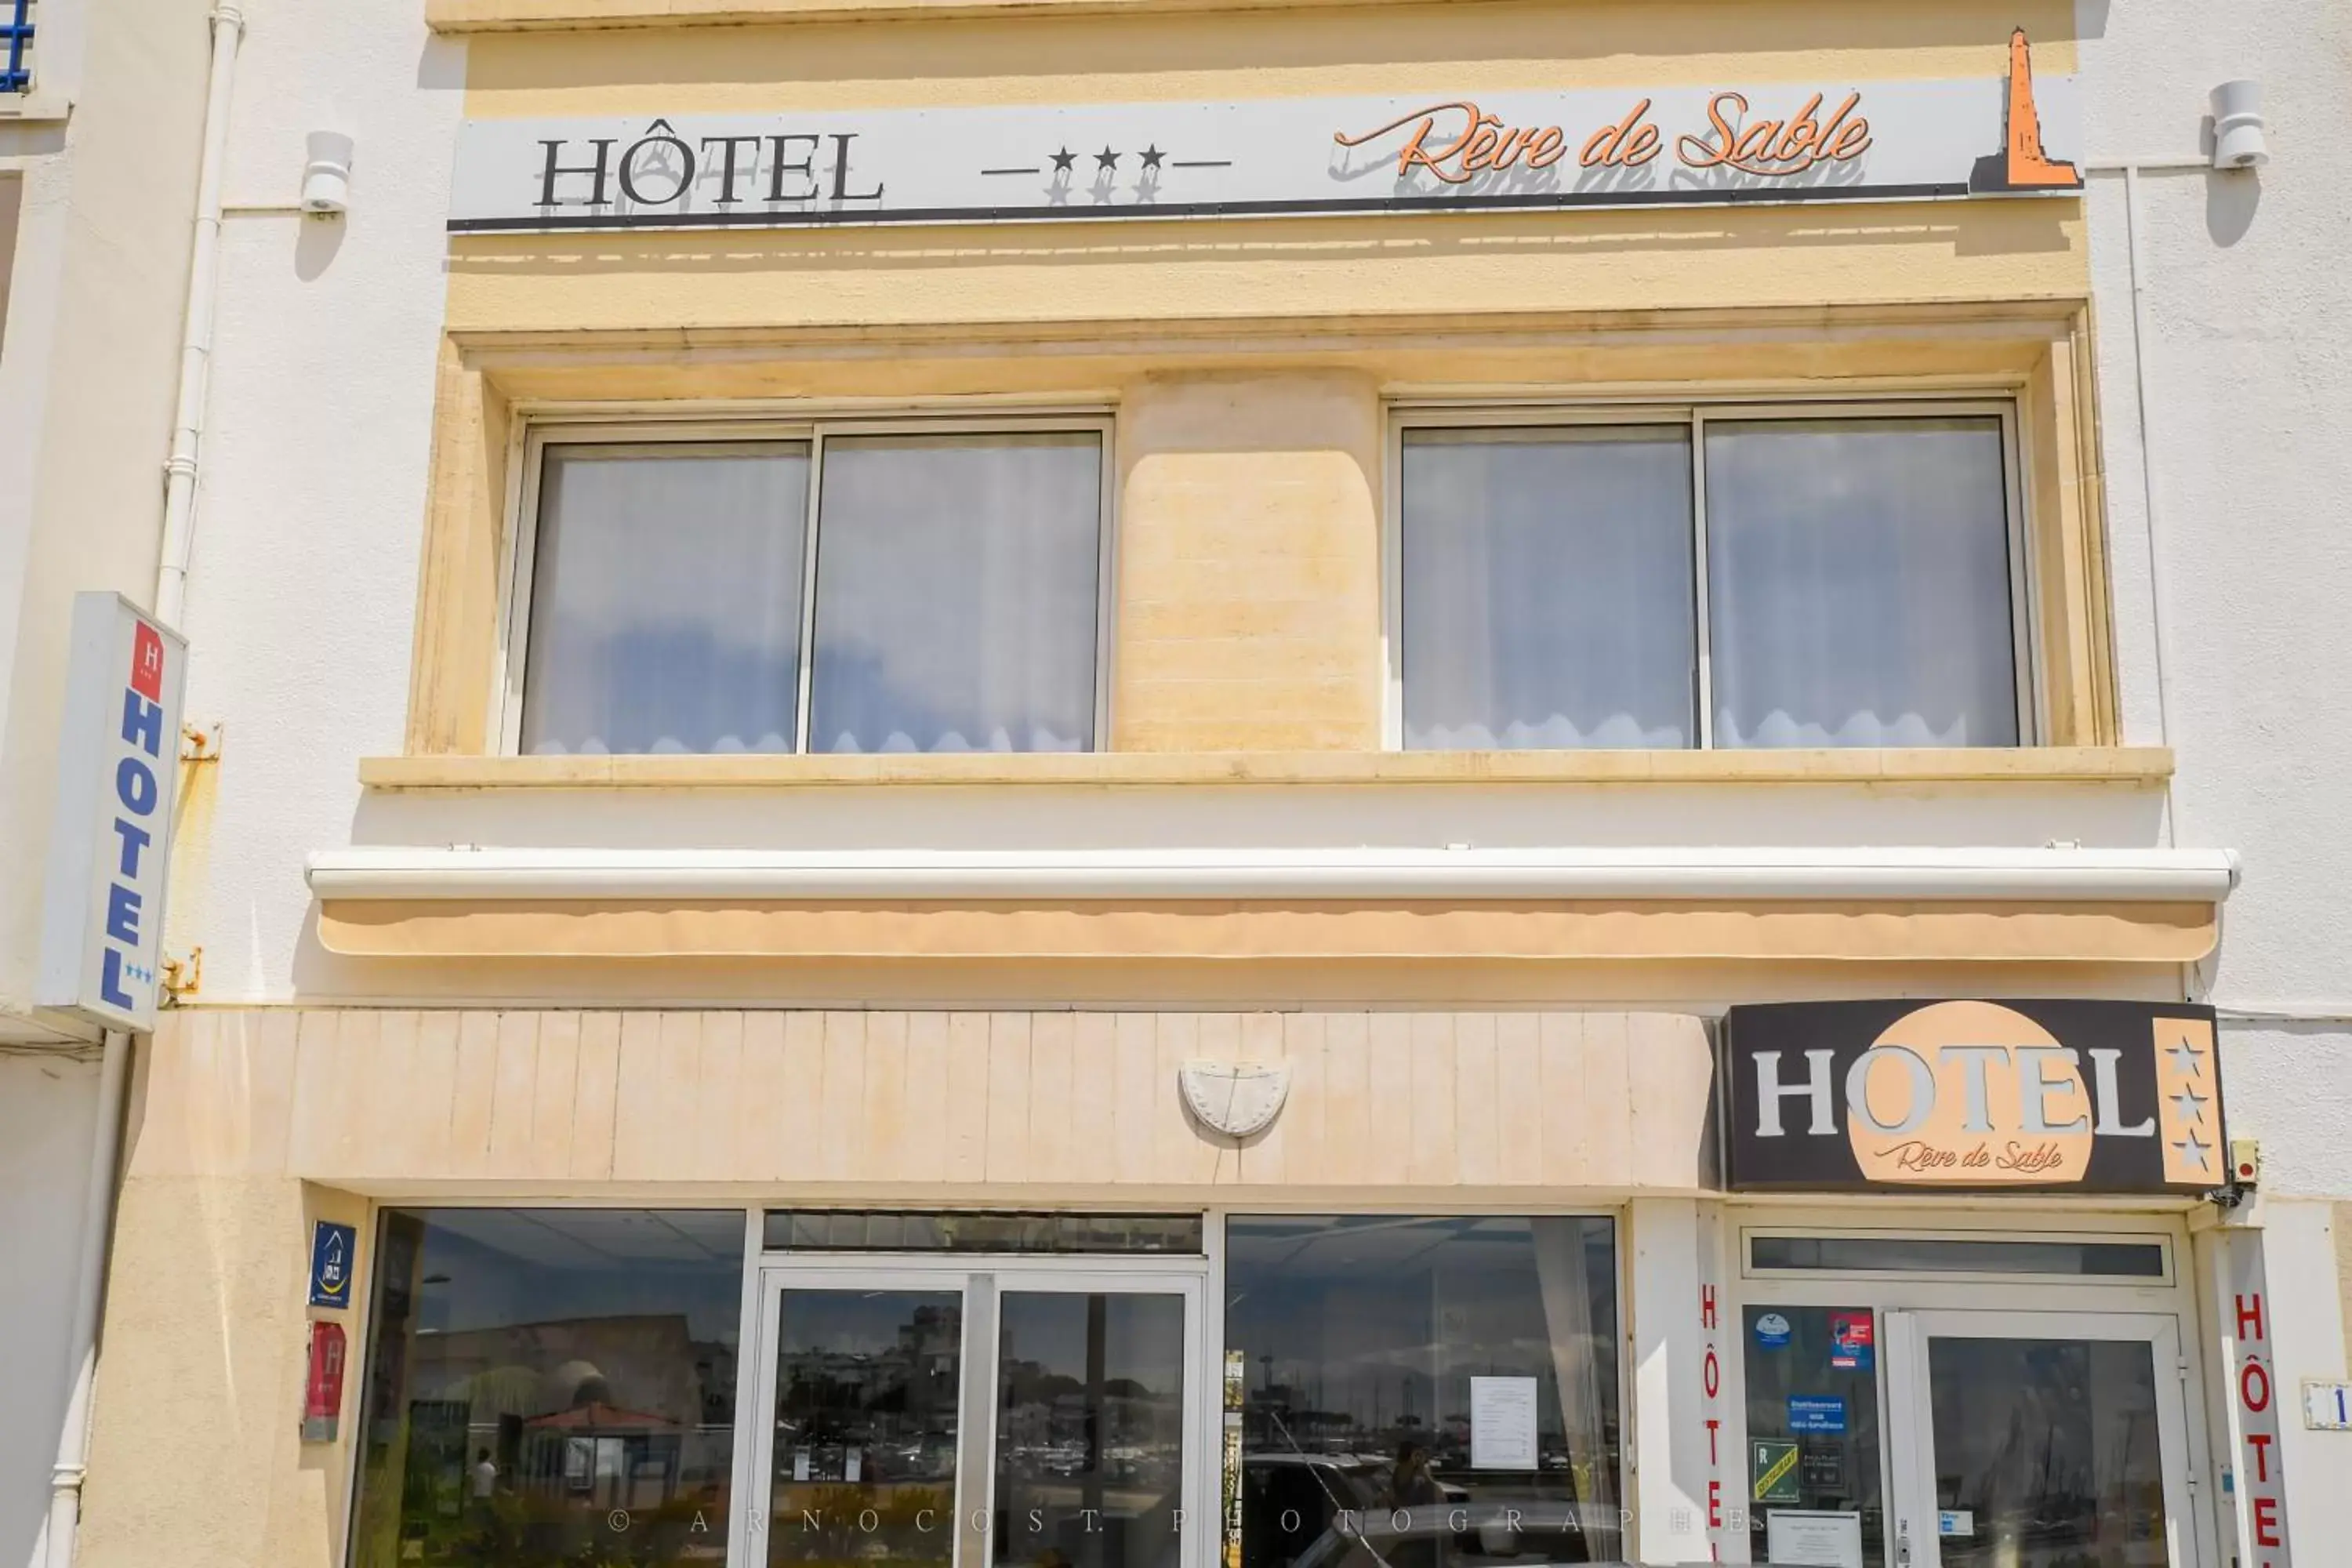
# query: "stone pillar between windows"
{"points": [[1248, 611]]}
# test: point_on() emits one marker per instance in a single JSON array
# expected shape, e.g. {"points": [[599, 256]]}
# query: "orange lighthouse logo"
{"points": [[2021, 165]]}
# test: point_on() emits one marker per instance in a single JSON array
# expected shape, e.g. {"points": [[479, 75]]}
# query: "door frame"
{"points": [[2175, 1295], [1910, 1416], [980, 1279]]}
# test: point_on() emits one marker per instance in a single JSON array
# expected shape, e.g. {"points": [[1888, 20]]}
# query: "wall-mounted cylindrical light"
{"points": [[326, 173], [2238, 140]]}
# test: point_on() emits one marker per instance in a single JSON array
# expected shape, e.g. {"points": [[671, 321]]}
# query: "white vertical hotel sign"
{"points": [[2253, 1402], [110, 830]]}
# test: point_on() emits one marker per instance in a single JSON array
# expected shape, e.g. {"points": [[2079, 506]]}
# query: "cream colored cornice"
{"points": [[399, 873]]}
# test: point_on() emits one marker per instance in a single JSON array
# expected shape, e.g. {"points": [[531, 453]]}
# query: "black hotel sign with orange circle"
{"points": [[2066, 1096]]}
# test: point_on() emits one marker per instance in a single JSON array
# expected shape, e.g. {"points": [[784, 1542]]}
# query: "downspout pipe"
{"points": [[89, 1283], [2143, 339], [196, 339]]}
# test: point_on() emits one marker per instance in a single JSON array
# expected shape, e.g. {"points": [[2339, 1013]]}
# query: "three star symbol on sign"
{"points": [[1107, 159], [2190, 1105]]}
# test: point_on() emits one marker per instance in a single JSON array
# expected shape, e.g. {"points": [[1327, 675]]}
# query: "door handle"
{"points": [[1902, 1544]]}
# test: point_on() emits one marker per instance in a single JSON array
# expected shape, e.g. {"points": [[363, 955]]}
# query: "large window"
{"points": [[1425, 1392], [846, 589], [1711, 578], [550, 1386]]}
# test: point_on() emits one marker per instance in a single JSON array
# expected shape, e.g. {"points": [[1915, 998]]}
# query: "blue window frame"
{"points": [[16, 27]]}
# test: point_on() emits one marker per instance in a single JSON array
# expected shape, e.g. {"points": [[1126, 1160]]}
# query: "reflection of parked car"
{"points": [[1324, 1511], [1289, 1499], [1460, 1535]]}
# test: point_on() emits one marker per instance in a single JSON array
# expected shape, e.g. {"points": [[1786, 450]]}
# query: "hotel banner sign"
{"points": [[2084, 1097], [1848, 140]]}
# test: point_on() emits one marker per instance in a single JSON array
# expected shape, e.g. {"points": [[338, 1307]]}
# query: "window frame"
{"points": [[1692, 415], [1749, 1269], [535, 435]]}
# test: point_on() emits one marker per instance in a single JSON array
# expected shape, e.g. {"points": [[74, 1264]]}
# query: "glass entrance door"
{"points": [[1019, 1414], [2038, 1440]]}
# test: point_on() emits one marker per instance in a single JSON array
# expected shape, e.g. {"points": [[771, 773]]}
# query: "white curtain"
{"points": [[1859, 584], [1548, 588], [665, 598], [956, 592], [1569, 1275]]}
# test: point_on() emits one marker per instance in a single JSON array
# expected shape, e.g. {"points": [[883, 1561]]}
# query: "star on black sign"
{"points": [[1063, 159], [1152, 156], [1106, 158]]}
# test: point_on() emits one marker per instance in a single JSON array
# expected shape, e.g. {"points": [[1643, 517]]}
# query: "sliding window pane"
{"points": [[665, 598], [1548, 588], [1858, 577], [957, 581]]}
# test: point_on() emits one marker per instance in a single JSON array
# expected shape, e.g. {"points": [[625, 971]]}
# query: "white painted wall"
{"points": [[87, 359], [2249, 367], [48, 1110], [95, 267], [311, 502]]}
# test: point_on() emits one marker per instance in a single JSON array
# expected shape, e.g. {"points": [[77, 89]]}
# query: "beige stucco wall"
{"points": [[249, 1125], [1249, 477], [943, 1104], [1249, 592]]}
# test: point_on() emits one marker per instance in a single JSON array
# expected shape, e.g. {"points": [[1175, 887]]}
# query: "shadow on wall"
{"points": [[315, 245], [2231, 200], [1980, 228]]}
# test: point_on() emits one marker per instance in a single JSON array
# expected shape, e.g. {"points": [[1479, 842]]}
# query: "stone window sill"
{"points": [[2135, 767]]}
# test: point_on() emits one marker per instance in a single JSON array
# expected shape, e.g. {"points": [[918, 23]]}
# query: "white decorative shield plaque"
{"points": [[1239, 1100]]}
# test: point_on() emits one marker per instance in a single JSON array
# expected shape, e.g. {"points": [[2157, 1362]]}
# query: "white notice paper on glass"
{"points": [[1813, 1540], [1502, 1423]]}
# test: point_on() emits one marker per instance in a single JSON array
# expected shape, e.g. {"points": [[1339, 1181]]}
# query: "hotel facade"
{"points": [[1118, 784]]}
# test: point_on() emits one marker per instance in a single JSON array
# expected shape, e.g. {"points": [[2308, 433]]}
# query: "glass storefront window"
{"points": [[868, 1391], [1936, 1254], [1089, 1430], [1812, 1434], [979, 1230], [1425, 1392], [550, 1386]]}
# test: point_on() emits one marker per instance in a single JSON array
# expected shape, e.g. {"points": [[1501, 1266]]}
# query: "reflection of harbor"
{"points": [[866, 1423]]}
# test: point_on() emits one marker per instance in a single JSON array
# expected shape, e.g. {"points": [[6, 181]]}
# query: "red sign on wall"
{"points": [[322, 1398]]}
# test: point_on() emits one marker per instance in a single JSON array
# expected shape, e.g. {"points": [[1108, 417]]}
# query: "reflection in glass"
{"points": [[957, 578], [2050, 1448], [979, 1230], [1858, 583], [1360, 1336], [1931, 1255], [1812, 1387], [549, 1387], [1089, 1430], [867, 1402], [665, 598], [1548, 588]]}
